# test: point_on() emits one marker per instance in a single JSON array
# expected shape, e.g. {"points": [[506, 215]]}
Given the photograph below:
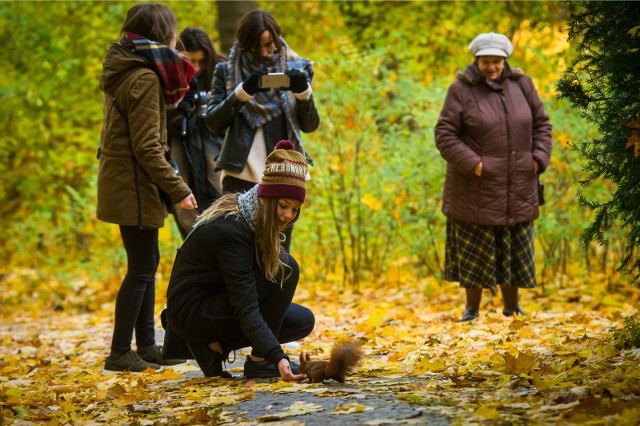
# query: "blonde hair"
{"points": [[268, 240], [227, 204]]}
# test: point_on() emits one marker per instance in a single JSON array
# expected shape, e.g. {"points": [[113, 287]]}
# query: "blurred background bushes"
{"points": [[382, 71]]}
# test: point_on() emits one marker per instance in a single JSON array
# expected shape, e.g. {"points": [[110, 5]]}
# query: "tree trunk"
{"points": [[229, 13]]}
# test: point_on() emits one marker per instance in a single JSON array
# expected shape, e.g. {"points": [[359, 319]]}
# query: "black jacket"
{"points": [[224, 111], [218, 260]]}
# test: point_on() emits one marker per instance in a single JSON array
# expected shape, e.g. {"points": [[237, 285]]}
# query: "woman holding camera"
{"points": [[255, 118], [196, 151], [142, 74], [495, 136]]}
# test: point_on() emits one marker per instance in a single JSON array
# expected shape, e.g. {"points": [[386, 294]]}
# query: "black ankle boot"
{"points": [[518, 311], [511, 301], [210, 362], [472, 308], [469, 315]]}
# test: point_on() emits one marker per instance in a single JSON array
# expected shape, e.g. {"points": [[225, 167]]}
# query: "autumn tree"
{"points": [[229, 13], [602, 82]]}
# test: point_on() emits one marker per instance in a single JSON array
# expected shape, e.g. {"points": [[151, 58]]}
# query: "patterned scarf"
{"points": [[174, 71], [248, 206], [266, 106]]}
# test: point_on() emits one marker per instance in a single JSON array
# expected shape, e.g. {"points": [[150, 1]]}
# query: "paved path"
{"points": [[365, 401]]}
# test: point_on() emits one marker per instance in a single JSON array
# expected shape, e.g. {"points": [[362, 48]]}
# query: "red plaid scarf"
{"points": [[174, 71]]}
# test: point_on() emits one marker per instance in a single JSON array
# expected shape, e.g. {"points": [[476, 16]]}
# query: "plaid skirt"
{"points": [[479, 256]]}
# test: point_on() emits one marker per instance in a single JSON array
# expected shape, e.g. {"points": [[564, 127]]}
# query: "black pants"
{"points": [[212, 320], [232, 185], [137, 293]]}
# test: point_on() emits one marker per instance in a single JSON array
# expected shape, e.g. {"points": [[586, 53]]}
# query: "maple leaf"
{"points": [[351, 408], [489, 413], [523, 363], [634, 141], [434, 366], [296, 409]]}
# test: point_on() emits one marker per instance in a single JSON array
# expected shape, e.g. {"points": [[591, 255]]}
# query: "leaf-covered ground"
{"points": [[557, 365]]}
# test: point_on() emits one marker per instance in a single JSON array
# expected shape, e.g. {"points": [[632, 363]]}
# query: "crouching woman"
{"points": [[232, 283]]}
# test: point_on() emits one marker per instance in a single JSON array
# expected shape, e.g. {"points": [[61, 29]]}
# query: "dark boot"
{"points": [[472, 308], [210, 362], [511, 302]]}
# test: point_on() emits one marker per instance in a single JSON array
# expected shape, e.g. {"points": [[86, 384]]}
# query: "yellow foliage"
{"points": [[486, 412], [432, 366], [371, 202]]}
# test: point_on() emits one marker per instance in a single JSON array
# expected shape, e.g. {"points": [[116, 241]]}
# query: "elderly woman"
{"points": [[495, 136]]}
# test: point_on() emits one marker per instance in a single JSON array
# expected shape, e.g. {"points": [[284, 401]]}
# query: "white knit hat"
{"points": [[491, 44]]}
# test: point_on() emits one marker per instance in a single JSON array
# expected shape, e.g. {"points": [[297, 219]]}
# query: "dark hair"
{"points": [[250, 28], [193, 39], [153, 21]]}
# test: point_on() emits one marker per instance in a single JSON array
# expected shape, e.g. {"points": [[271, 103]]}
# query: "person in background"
{"points": [[255, 119], [495, 137], [142, 76], [196, 150], [232, 283]]}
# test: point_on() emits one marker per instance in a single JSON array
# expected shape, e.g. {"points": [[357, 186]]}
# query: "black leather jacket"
{"points": [[223, 113]]}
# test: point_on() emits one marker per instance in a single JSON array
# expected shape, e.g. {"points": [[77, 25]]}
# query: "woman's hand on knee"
{"points": [[286, 374]]}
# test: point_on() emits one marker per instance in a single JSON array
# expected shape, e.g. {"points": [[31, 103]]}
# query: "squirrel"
{"points": [[344, 357]]}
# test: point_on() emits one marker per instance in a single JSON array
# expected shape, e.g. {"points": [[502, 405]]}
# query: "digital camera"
{"points": [[201, 100]]}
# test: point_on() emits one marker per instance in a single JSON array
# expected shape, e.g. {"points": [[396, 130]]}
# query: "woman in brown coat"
{"points": [[141, 74], [495, 136]]}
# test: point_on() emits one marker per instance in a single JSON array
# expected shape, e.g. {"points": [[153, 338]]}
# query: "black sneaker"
{"points": [[130, 361], [264, 369], [210, 362], [155, 356]]}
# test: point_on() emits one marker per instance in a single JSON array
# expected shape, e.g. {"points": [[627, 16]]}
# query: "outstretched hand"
{"points": [[286, 374], [298, 80]]}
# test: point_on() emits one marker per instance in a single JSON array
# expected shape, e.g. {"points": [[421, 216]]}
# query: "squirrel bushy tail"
{"points": [[344, 357], [342, 360]]}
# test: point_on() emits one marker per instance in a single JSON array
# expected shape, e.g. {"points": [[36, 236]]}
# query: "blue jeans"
{"points": [[137, 293]]}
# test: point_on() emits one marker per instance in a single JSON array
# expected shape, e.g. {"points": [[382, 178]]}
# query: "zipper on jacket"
{"points": [[503, 98]]}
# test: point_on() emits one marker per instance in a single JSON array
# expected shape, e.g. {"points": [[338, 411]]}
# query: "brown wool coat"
{"points": [[492, 122], [133, 164]]}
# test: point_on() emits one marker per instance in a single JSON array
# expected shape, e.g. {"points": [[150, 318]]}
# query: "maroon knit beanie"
{"points": [[284, 174]]}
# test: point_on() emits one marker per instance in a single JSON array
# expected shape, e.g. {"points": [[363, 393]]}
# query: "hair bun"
{"points": [[284, 144]]}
